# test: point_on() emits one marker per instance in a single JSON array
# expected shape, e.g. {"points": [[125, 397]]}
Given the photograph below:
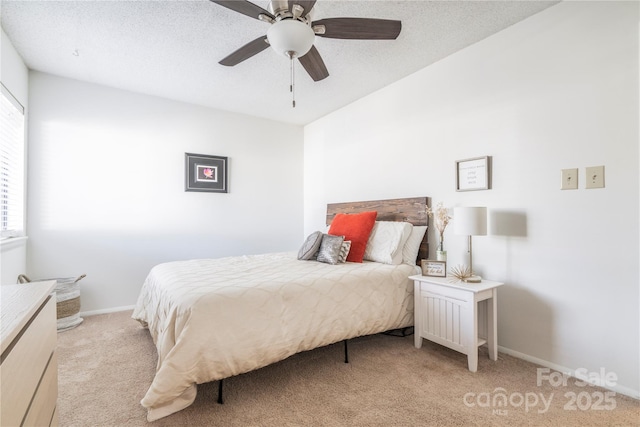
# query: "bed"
{"points": [[211, 319]]}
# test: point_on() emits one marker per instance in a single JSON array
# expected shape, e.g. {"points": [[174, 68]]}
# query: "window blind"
{"points": [[12, 177]]}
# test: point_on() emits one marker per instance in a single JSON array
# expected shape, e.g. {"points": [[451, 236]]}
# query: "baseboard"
{"points": [[571, 372], [107, 310]]}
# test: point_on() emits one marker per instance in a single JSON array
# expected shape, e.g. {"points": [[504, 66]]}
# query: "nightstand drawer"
{"points": [[445, 293]]}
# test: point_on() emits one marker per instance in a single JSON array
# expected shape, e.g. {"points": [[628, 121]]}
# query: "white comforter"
{"points": [[214, 318]]}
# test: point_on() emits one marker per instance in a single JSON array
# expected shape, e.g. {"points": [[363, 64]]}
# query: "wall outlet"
{"points": [[595, 177], [569, 179]]}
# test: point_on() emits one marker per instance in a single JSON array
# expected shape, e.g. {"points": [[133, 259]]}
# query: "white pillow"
{"points": [[386, 241], [406, 233], [411, 248]]}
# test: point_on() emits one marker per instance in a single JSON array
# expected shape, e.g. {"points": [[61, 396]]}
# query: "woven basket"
{"points": [[67, 300]]}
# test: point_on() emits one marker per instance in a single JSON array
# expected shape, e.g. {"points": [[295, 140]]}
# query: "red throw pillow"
{"points": [[354, 227]]}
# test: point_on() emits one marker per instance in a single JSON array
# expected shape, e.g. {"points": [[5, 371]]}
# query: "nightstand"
{"points": [[446, 312]]}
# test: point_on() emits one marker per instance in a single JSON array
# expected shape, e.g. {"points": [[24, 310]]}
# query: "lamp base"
{"points": [[473, 279]]}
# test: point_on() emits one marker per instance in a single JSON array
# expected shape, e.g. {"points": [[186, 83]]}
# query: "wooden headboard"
{"points": [[413, 210]]}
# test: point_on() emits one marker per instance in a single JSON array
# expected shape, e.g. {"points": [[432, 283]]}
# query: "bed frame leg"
{"points": [[220, 399], [346, 352]]}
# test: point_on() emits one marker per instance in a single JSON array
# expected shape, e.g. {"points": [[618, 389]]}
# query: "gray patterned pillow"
{"points": [[330, 249], [344, 251], [310, 246]]}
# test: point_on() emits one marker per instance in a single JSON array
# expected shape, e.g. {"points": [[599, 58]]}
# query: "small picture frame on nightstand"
{"points": [[433, 268]]}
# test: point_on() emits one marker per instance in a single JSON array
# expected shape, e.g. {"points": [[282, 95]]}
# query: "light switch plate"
{"points": [[569, 179], [594, 177]]}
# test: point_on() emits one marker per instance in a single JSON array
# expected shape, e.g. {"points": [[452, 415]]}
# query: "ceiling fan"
{"points": [[292, 32]]}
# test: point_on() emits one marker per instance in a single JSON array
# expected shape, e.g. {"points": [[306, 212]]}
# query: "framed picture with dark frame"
{"points": [[206, 173], [473, 174]]}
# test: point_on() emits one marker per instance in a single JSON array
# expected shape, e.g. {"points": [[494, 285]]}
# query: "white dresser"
{"points": [[29, 367]]}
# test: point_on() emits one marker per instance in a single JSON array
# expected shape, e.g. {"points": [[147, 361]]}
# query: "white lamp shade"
{"points": [[470, 221], [290, 35]]}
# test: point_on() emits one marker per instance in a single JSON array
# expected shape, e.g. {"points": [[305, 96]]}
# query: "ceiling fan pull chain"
{"points": [[293, 80]]}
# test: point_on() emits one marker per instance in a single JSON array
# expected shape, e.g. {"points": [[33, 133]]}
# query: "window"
{"points": [[11, 166]]}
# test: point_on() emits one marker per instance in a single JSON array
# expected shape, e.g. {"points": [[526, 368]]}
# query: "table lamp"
{"points": [[470, 221]]}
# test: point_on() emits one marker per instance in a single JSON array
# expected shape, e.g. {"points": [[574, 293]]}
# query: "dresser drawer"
{"points": [[44, 402], [25, 363], [55, 420]]}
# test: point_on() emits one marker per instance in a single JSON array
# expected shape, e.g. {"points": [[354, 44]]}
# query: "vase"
{"points": [[441, 254]]}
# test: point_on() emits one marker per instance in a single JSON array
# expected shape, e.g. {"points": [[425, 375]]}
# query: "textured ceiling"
{"points": [[172, 48]]}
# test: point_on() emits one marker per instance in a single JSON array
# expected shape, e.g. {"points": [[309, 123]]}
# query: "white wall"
{"points": [[15, 77], [558, 90], [106, 186], [13, 73]]}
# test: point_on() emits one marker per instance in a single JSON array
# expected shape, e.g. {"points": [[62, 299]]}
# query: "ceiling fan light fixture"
{"points": [[290, 35]]}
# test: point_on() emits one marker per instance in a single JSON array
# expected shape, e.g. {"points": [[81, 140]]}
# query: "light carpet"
{"points": [[107, 363]]}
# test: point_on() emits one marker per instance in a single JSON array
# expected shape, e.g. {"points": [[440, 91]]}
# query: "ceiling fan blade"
{"points": [[359, 28], [313, 63], [244, 7], [307, 5], [246, 51]]}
